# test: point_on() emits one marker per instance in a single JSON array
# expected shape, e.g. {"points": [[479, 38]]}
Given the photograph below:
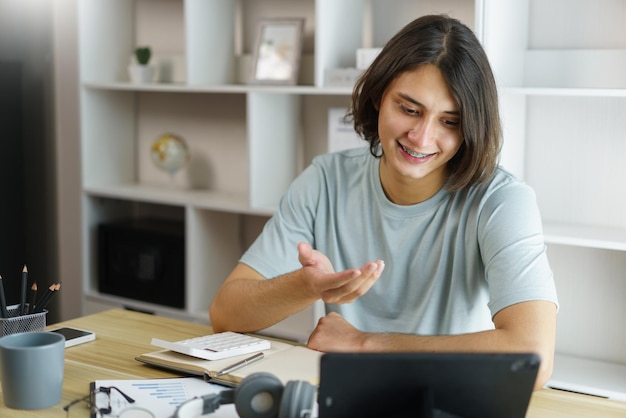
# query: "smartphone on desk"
{"points": [[75, 336]]}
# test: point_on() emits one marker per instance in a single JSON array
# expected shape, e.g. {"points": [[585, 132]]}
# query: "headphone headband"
{"points": [[260, 395]]}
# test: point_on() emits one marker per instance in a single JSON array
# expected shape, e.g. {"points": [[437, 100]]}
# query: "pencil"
{"points": [[24, 286], [44, 299], [33, 297], [41, 305], [3, 303]]}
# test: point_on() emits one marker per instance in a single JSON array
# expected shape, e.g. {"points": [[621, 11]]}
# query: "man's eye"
{"points": [[451, 123], [408, 110]]}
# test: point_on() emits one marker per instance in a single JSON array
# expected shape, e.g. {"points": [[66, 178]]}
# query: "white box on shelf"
{"points": [[341, 77], [341, 134]]}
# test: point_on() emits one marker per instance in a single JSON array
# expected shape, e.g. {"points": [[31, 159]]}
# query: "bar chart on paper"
{"points": [[172, 392], [157, 398]]}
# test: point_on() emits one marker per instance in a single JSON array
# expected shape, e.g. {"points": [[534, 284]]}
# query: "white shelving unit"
{"points": [[560, 69], [563, 135]]}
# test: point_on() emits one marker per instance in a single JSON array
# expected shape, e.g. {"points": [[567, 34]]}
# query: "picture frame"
{"points": [[277, 51]]}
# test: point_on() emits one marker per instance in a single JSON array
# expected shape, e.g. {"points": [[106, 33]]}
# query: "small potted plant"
{"points": [[139, 71]]}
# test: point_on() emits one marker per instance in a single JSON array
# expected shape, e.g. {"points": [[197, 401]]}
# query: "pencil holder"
{"points": [[22, 323]]}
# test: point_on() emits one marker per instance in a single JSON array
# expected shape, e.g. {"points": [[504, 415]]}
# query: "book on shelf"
{"points": [[284, 360]]}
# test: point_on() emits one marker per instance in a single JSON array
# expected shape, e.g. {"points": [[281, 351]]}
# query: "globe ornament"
{"points": [[170, 153]]}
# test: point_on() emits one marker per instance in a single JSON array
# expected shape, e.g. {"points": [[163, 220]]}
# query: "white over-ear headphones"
{"points": [[260, 395]]}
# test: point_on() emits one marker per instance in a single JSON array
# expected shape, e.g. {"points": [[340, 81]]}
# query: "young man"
{"points": [[421, 243]]}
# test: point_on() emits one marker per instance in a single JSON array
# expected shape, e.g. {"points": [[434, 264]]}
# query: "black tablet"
{"points": [[426, 385]]}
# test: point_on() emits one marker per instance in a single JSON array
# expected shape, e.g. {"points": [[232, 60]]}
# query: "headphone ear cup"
{"points": [[298, 397], [258, 396]]}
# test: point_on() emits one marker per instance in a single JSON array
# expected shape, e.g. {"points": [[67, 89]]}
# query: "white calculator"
{"points": [[216, 346]]}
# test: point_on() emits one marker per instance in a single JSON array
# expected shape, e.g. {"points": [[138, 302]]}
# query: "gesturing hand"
{"points": [[333, 287]]}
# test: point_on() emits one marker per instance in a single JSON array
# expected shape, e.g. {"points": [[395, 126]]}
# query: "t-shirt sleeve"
{"points": [[513, 249]]}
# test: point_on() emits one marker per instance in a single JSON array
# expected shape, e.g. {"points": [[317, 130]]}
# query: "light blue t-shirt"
{"points": [[451, 262]]}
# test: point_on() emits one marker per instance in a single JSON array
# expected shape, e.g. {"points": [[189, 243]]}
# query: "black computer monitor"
{"points": [[426, 385]]}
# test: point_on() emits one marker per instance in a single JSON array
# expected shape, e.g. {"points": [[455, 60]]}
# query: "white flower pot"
{"points": [[141, 73]]}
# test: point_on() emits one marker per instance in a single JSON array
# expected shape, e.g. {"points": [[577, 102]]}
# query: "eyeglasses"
{"points": [[110, 401]]}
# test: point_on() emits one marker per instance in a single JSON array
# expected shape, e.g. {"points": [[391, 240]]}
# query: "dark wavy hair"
{"points": [[451, 46]]}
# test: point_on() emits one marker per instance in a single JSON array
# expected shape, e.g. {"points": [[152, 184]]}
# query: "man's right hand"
{"points": [[332, 287]]}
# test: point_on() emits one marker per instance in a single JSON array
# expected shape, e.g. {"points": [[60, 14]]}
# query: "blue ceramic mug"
{"points": [[31, 369]]}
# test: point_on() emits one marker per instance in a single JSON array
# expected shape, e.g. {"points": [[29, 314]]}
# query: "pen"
{"points": [[240, 364]]}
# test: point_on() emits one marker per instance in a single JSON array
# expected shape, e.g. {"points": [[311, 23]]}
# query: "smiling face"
{"points": [[419, 126]]}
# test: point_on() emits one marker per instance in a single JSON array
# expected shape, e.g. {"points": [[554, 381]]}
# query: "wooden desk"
{"points": [[121, 335]]}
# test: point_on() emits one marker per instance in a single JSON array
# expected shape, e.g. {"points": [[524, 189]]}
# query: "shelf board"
{"points": [[201, 199], [564, 92], [309, 90], [585, 236], [554, 233], [219, 89], [592, 377]]}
